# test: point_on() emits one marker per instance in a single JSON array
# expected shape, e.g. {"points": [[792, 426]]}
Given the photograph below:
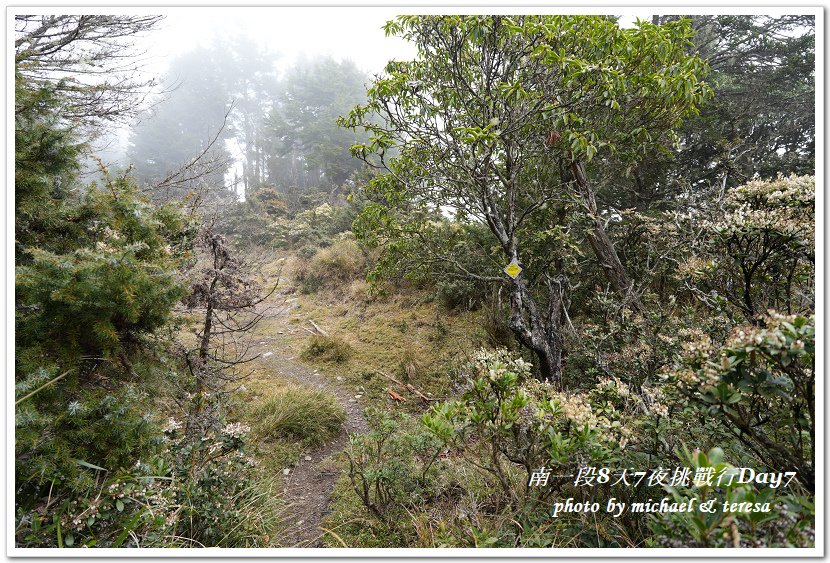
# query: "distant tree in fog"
{"points": [[306, 147]]}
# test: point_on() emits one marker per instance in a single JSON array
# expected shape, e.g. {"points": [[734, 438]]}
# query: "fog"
{"points": [[209, 60], [287, 33]]}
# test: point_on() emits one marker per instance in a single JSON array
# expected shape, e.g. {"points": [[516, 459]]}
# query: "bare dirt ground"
{"points": [[309, 484]]}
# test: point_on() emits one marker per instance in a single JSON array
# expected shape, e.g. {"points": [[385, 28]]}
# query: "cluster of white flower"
{"points": [[236, 429], [789, 189], [655, 400], [172, 425], [621, 387], [577, 409], [771, 336], [215, 447], [251, 462], [111, 234], [103, 246], [699, 349], [784, 205], [495, 362]]}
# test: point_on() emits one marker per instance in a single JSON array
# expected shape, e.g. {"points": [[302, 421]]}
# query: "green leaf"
{"points": [[590, 151], [89, 465]]}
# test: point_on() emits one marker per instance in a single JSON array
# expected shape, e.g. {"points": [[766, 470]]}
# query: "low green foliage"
{"points": [[384, 466], [219, 500], [312, 416], [788, 523], [510, 425], [192, 493], [61, 430]]}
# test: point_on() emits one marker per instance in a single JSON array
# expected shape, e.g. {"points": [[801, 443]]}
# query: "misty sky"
{"points": [[287, 33], [344, 33], [355, 34]]}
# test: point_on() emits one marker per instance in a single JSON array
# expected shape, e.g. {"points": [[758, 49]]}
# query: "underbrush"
{"points": [[459, 476], [195, 493]]}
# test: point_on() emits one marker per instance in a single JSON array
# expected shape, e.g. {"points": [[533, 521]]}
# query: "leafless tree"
{"points": [[229, 298], [90, 60], [196, 179]]}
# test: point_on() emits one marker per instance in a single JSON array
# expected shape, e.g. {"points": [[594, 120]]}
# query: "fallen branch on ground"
{"points": [[408, 386], [317, 328]]}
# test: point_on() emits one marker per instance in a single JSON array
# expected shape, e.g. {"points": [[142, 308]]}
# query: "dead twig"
{"points": [[317, 328], [408, 386], [396, 397]]}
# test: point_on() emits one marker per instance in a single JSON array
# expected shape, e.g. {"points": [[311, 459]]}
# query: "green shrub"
{"points": [[383, 464], [760, 385], [195, 493], [789, 522], [508, 424], [461, 294], [118, 283], [299, 413], [327, 349], [307, 252], [214, 498]]}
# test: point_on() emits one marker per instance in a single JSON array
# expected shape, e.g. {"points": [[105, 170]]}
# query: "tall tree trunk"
{"points": [[244, 180], [600, 243], [540, 335], [532, 328]]}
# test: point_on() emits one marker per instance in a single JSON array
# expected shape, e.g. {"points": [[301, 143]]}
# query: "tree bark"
{"points": [[544, 338], [532, 328], [600, 243]]}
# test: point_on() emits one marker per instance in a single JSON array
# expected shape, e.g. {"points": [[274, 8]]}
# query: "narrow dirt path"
{"points": [[308, 487]]}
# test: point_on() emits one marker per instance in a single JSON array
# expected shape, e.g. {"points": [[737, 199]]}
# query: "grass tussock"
{"points": [[300, 413], [331, 267], [327, 349]]}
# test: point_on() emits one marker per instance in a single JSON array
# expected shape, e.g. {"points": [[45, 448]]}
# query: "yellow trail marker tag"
{"points": [[513, 270]]}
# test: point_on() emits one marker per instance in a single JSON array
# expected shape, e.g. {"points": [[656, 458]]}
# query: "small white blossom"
{"points": [[236, 429], [172, 425]]}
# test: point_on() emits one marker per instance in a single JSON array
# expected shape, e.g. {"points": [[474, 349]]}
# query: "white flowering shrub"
{"points": [[509, 424], [783, 207], [211, 476], [760, 385], [758, 250]]}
